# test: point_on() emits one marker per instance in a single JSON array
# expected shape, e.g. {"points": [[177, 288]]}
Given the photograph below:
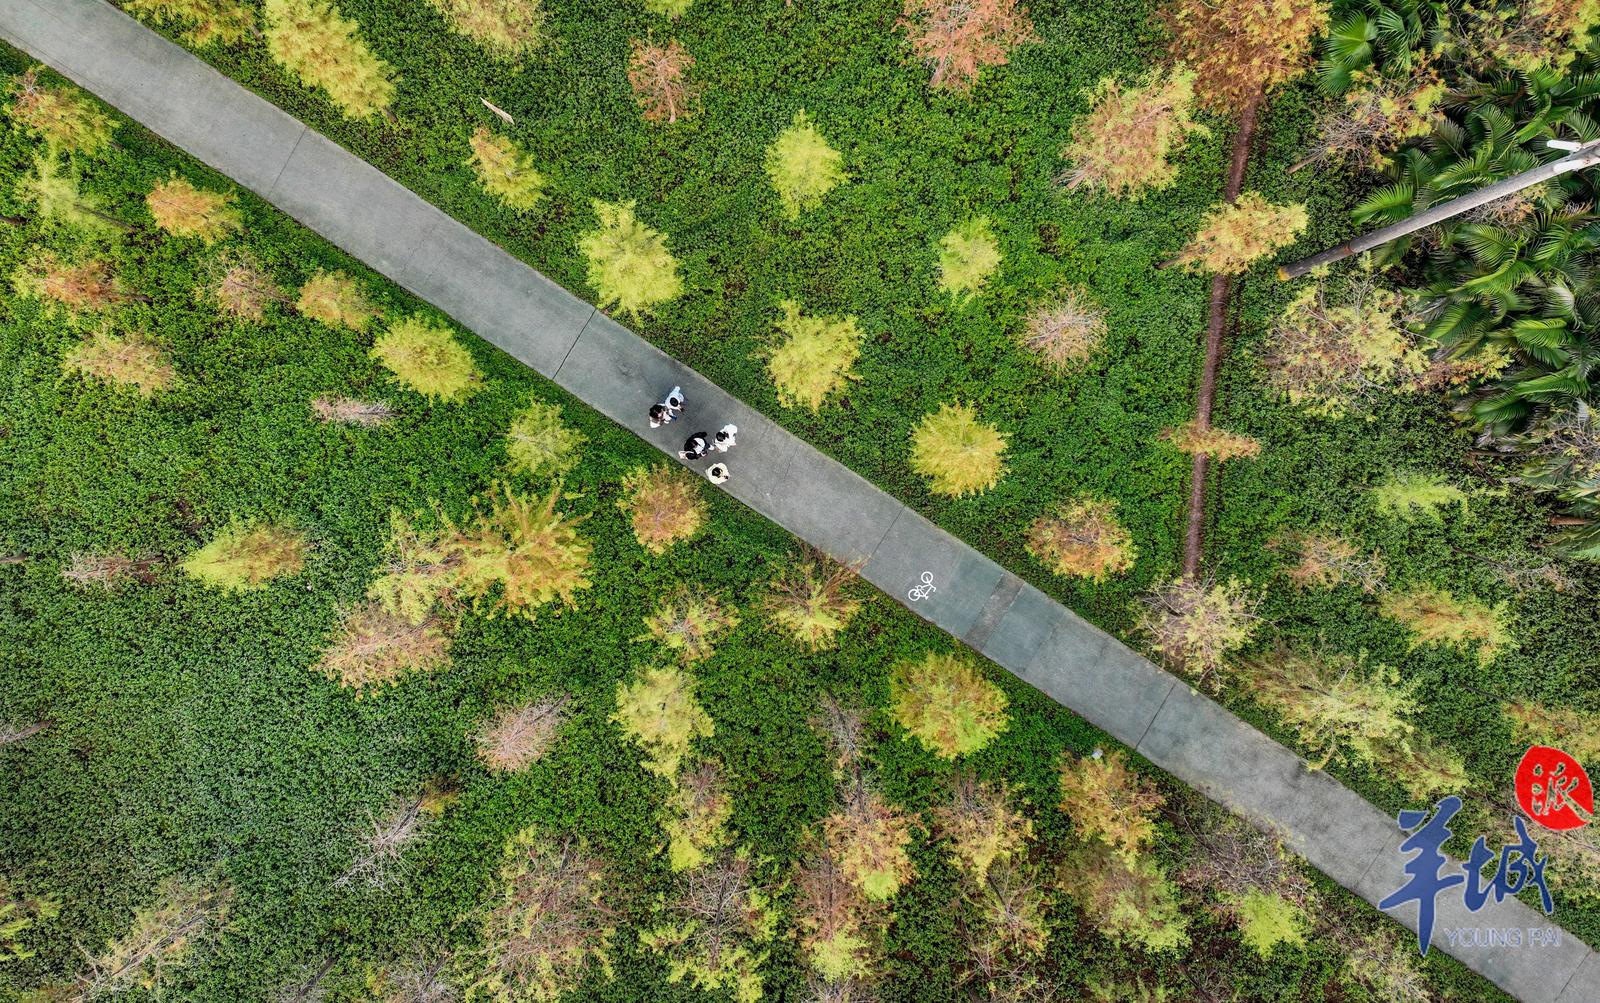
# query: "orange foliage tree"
{"points": [[1240, 51], [958, 38]]}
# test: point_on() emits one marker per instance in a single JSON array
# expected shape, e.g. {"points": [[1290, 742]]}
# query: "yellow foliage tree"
{"points": [[947, 704], [802, 167], [814, 358], [1236, 235], [1082, 538], [658, 710], [322, 49], [629, 264], [1107, 800], [247, 556], [504, 171], [337, 300], [183, 210], [957, 453], [507, 29], [1066, 332], [1239, 52], [1125, 143], [664, 505], [132, 360], [429, 360], [225, 21], [1434, 616], [968, 255], [67, 120]]}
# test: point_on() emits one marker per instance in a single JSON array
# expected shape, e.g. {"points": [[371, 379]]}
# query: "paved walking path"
{"points": [[375, 219]]}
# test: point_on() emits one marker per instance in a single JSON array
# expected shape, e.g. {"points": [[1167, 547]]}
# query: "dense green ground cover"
{"points": [[920, 162], [190, 735]]}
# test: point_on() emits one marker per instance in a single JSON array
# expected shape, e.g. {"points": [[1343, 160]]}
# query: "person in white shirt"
{"points": [[723, 440], [668, 410], [717, 472]]}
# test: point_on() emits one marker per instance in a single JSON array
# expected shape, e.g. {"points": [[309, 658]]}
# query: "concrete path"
{"points": [[942, 579]]}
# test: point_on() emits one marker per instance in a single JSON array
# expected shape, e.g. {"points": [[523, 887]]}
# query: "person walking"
{"points": [[669, 409], [723, 440], [717, 473], [694, 447]]}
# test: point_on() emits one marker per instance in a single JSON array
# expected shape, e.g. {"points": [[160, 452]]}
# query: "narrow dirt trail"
{"points": [[1221, 294]]}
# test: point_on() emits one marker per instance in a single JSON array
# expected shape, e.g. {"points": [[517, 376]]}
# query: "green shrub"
{"points": [[629, 266], [802, 167], [947, 704], [957, 453], [247, 556], [319, 48], [539, 445], [505, 171], [968, 255], [815, 357], [428, 360], [659, 711], [671, 8]]}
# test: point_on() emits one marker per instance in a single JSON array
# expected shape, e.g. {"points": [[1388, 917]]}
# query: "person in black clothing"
{"points": [[694, 447]]}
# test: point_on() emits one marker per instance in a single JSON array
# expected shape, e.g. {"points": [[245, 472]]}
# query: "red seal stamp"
{"points": [[1553, 789]]}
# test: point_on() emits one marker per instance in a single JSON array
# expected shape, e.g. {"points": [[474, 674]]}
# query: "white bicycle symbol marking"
{"points": [[924, 590]]}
